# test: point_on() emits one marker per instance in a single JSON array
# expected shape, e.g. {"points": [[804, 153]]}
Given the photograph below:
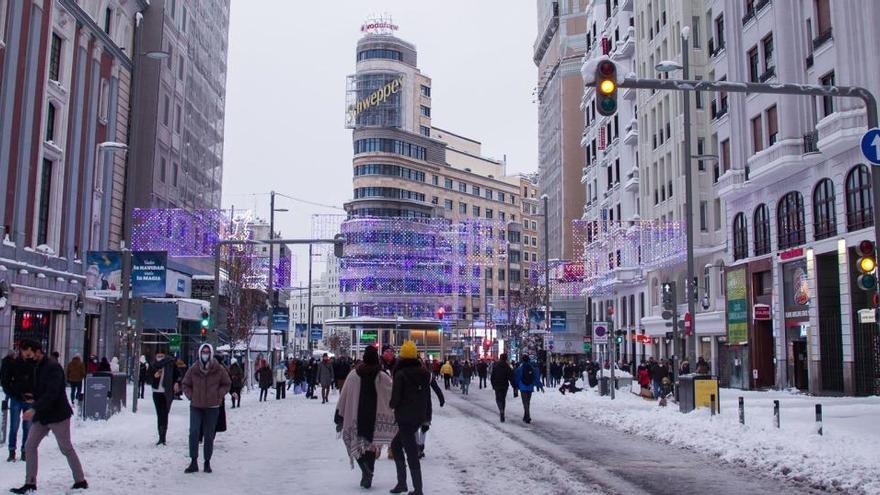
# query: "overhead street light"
{"points": [[156, 55]]}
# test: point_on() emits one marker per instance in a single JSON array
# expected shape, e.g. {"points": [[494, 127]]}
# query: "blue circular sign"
{"points": [[871, 145]]}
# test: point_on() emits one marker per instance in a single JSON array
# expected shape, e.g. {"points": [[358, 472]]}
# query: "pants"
{"points": [[202, 423], [16, 407], [483, 382], [264, 393], [76, 390], [236, 393], [465, 386], [655, 386], [280, 391], [141, 388], [446, 379], [501, 399], [405, 442], [527, 402], [163, 407], [325, 393], [61, 430]]}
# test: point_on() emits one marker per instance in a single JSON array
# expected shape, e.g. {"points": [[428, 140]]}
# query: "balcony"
{"points": [[841, 131], [780, 160], [627, 46], [770, 72], [822, 39], [632, 181], [714, 50], [631, 134], [811, 142], [731, 181]]}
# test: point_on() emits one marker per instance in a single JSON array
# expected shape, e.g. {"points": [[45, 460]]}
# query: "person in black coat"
{"points": [[18, 381], [502, 378], [421, 436], [482, 372], [264, 379], [411, 401], [164, 376], [50, 412]]}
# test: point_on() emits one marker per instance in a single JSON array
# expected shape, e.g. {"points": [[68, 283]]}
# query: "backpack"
{"points": [[528, 375]]}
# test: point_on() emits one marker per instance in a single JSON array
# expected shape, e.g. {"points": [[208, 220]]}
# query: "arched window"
{"points": [[762, 230], [790, 220], [740, 237], [859, 204], [824, 222]]}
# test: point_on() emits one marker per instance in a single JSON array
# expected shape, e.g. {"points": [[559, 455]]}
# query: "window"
{"points": [[769, 63], [704, 216], [753, 64], [719, 31], [55, 58], [462, 187], [502, 216], [447, 183], [380, 53], [395, 146], [762, 230], [45, 199], [859, 203], [425, 130], [108, 16], [435, 180], [389, 170], [717, 211], [489, 214], [425, 111], [725, 155], [435, 200], [823, 17], [757, 135], [162, 166], [695, 30], [447, 203], [170, 58], [50, 123], [488, 194], [475, 190], [462, 208], [476, 211], [824, 224], [177, 119], [426, 91], [740, 237], [698, 95], [174, 168], [387, 192], [790, 220], [166, 109], [772, 126], [827, 101]]}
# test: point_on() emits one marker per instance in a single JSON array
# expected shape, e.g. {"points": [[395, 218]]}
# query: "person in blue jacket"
{"points": [[527, 378]]}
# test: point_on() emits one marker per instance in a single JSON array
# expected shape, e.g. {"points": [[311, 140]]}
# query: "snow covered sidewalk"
{"points": [[846, 457]]}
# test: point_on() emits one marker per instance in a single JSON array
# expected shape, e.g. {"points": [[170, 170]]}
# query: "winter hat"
{"points": [[408, 350], [371, 355], [387, 347]]}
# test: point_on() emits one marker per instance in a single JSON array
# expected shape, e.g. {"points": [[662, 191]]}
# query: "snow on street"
{"points": [[574, 445]]}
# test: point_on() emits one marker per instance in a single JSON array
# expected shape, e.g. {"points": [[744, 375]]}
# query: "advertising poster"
{"points": [[797, 292], [104, 274], [148, 273], [737, 307]]}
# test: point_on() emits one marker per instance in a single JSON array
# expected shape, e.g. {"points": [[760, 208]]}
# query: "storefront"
{"points": [[367, 331], [796, 306]]}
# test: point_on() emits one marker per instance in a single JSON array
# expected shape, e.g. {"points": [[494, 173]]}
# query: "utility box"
{"points": [[696, 391], [96, 396]]}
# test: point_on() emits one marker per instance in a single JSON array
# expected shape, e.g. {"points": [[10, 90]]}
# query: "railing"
{"points": [[714, 52], [770, 72], [718, 111], [822, 39], [811, 140]]}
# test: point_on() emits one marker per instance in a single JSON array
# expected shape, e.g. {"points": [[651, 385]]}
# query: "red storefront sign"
{"points": [[761, 312]]}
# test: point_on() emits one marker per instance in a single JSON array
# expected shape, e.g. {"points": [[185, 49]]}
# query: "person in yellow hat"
{"points": [[411, 401]]}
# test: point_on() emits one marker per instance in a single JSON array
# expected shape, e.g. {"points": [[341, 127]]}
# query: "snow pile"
{"points": [[845, 458]]}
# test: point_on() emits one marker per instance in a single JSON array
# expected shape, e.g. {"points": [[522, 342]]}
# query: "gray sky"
{"points": [[285, 94]]}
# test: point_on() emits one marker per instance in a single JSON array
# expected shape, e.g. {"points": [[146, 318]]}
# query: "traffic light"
{"points": [[867, 265], [619, 335], [667, 296], [441, 312], [206, 321], [606, 88], [339, 245]]}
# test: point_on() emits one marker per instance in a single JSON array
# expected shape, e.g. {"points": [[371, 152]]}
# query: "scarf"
{"points": [[367, 401]]}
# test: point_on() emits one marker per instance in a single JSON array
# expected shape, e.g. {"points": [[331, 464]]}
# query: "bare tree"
{"points": [[243, 300]]}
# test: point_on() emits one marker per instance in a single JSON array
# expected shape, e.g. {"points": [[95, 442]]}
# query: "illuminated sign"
{"points": [[379, 24], [377, 97]]}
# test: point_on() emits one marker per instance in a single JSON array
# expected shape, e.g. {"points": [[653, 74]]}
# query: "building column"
{"points": [[75, 156], [781, 361], [814, 349], [90, 150], [846, 310]]}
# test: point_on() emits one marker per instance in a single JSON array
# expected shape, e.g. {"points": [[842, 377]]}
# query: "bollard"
{"points": [[742, 411], [819, 417], [712, 404], [776, 413]]}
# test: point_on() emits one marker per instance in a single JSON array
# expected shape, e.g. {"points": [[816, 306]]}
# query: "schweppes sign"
{"points": [[381, 95]]}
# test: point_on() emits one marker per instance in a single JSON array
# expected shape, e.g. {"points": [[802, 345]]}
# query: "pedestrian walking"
{"points": [[114, 365], [49, 411], [280, 373], [527, 379], [164, 376], [482, 372], [205, 385], [341, 368], [422, 434], [467, 373], [263, 377], [92, 365], [75, 374], [325, 377], [456, 372], [142, 376], [104, 367], [236, 380], [446, 370], [411, 401], [18, 383], [502, 379], [363, 418], [291, 373]]}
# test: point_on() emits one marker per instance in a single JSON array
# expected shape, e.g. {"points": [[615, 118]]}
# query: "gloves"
{"points": [[426, 427]]}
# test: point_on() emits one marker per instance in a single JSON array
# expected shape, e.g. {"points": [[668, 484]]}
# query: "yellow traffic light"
{"points": [[867, 265], [607, 86]]}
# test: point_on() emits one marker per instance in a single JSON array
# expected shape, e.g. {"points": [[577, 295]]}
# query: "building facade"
{"points": [[65, 83], [797, 191]]}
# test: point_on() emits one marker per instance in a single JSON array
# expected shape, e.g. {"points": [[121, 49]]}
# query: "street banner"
{"points": [[104, 274], [281, 319], [737, 307], [148, 273]]}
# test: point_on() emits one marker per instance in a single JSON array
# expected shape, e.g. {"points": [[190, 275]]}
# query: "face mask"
{"points": [[205, 357]]}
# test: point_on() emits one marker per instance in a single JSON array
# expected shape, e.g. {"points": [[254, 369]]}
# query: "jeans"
{"points": [[75, 391], [527, 402], [264, 394], [163, 407], [202, 423], [16, 407], [483, 382], [501, 399], [280, 391], [61, 430], [655, 386], [405, 442], [465, 385]]}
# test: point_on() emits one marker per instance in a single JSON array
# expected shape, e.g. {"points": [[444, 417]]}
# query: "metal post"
{"points": [[776, 413], [126, 312], [691, 289], [309, 330], [613, 356], [819, 418], [742, 411], [547, 318], [215, 300], [269, 287], [712, 404]]}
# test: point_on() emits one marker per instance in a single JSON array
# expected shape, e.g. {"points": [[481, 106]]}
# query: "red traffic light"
{"points": [[875, 300], [203, 331], [866, 248], [607, 68], [610, 310]]}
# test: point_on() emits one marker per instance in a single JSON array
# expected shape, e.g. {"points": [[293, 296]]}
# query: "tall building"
{"points": [[558, 54], [181, 104], [65, 72], [797, 191]]}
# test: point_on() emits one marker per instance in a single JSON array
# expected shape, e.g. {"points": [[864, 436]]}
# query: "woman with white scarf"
{"points": [[363, 417]]}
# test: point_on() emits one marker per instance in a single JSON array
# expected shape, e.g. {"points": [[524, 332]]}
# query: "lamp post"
{"points": [[547, 323], [270, 288], [690, 292]]}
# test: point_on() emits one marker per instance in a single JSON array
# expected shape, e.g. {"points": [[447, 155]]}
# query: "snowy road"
{"points": [[291, 445]]}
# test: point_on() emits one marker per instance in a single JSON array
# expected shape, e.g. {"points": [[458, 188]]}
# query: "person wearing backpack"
{"points": [[527, 378]]}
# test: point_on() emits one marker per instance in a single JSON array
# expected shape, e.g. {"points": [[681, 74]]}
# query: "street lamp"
{"points": [[156, 55]]}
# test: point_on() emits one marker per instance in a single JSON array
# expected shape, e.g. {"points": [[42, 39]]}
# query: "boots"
{"points": [[11, 457], [162, 432], [400, 465], [208, 467], [366, 463], [26, 488], [22, 455], [193, 467], [80, 485]]}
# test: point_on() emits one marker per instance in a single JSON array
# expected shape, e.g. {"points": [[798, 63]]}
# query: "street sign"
{"points": [[687, 324], [867, 316], [317, 334], [871, 145], [600, 332]]}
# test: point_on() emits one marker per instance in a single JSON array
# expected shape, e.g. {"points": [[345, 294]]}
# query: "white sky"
{"points": [[285, 95]]}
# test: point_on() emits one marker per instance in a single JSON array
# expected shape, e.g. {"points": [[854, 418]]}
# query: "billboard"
{"points": [[104, 274], [737, 307], [796, 292], [374, 100], [148, 273]]}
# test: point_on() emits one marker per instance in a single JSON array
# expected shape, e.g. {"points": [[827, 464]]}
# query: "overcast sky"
{"points": [[285, 93]]}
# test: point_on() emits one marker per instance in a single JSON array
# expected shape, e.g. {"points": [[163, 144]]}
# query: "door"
{"points": [[762, 355], [799, 351]]}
